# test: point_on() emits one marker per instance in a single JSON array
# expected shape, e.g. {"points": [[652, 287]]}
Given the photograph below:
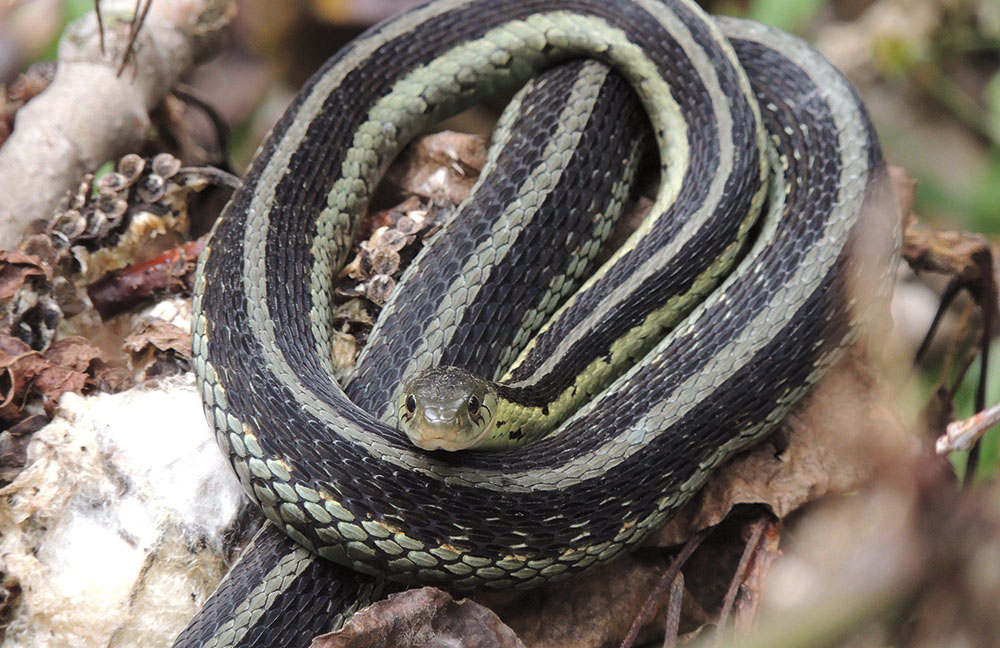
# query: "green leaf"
{"points": [[790, 15]]}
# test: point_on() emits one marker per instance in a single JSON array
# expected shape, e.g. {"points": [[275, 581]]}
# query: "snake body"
{"points": [[349, 488]]}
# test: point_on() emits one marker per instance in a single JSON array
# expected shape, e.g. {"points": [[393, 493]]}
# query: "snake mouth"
{"points": [[448, 436], [434, 442]]}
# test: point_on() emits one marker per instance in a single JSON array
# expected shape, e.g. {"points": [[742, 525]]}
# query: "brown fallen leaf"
{"points": [[832, 443], [422, 618], [965, 256], [112, 378], [442, 165], [73, 352], [595, 608], [20, 364], [153, 333], [29, 374], [54, 381], [158, 348], [16, 268], [71, 360]]}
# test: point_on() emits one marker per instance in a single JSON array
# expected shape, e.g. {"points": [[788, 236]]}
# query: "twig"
{"points": [[213, 176], [100, 25], [989, 312], [660, 590], [962, 435], [121, 290], [968, 260], [138, 18], [753, 542], [673, 624], [947, 297], [191, 96]]}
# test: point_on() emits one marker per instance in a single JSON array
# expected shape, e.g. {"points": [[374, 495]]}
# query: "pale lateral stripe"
{"points": [[406, 103], [734, 356], [517, 216], [498, 141], [258, 217], [639, 278], [628, 58], [620, 190], [249, 612]]}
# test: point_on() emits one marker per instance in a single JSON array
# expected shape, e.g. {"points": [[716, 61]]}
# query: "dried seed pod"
{"points": [[151, 188], [380, 288], [97, 225], [364, 260], [165, 165], [112, 183], [131, 167], [389, 238], [411, 223], [357, 290], [60, 242], [37, 325], [112, 208], [353, 269], [385, 262], [41, 246], [67, 297], [353, 311], [71, 223], [79, 200], [81, 256]]}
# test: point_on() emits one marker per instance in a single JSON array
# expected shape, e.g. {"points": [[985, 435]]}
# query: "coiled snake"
{"points": [[740, 113]]}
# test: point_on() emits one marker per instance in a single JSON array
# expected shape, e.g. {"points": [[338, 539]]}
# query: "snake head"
{"points": [[446, 408]]}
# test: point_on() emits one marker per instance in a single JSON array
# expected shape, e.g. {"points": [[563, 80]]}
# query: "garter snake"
{"points": [[351, 489]]}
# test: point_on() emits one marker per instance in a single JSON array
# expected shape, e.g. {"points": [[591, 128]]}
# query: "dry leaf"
{"points": [[443, 165], [73, 352], [28, 373], [158, 348], [14, 445], [20, 365], [54, 381], [422, 618], [832, 443], [160, 336], [16, 268], [595, 608]]}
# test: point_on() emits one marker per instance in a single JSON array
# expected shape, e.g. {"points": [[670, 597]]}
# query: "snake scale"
{"points": [[744, 117]]}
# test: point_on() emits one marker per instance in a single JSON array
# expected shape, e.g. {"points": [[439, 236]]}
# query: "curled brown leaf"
{"points": [[16, 268], [422, 618]]}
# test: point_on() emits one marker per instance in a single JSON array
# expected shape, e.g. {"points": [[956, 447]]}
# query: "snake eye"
{"points": [[473, 405], [411, 404]]}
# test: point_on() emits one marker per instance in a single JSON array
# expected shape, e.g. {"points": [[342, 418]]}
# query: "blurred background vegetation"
{"points": [[929, 71]]}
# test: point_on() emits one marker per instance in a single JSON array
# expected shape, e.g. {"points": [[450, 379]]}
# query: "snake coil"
{"points": [[745, 117]]}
